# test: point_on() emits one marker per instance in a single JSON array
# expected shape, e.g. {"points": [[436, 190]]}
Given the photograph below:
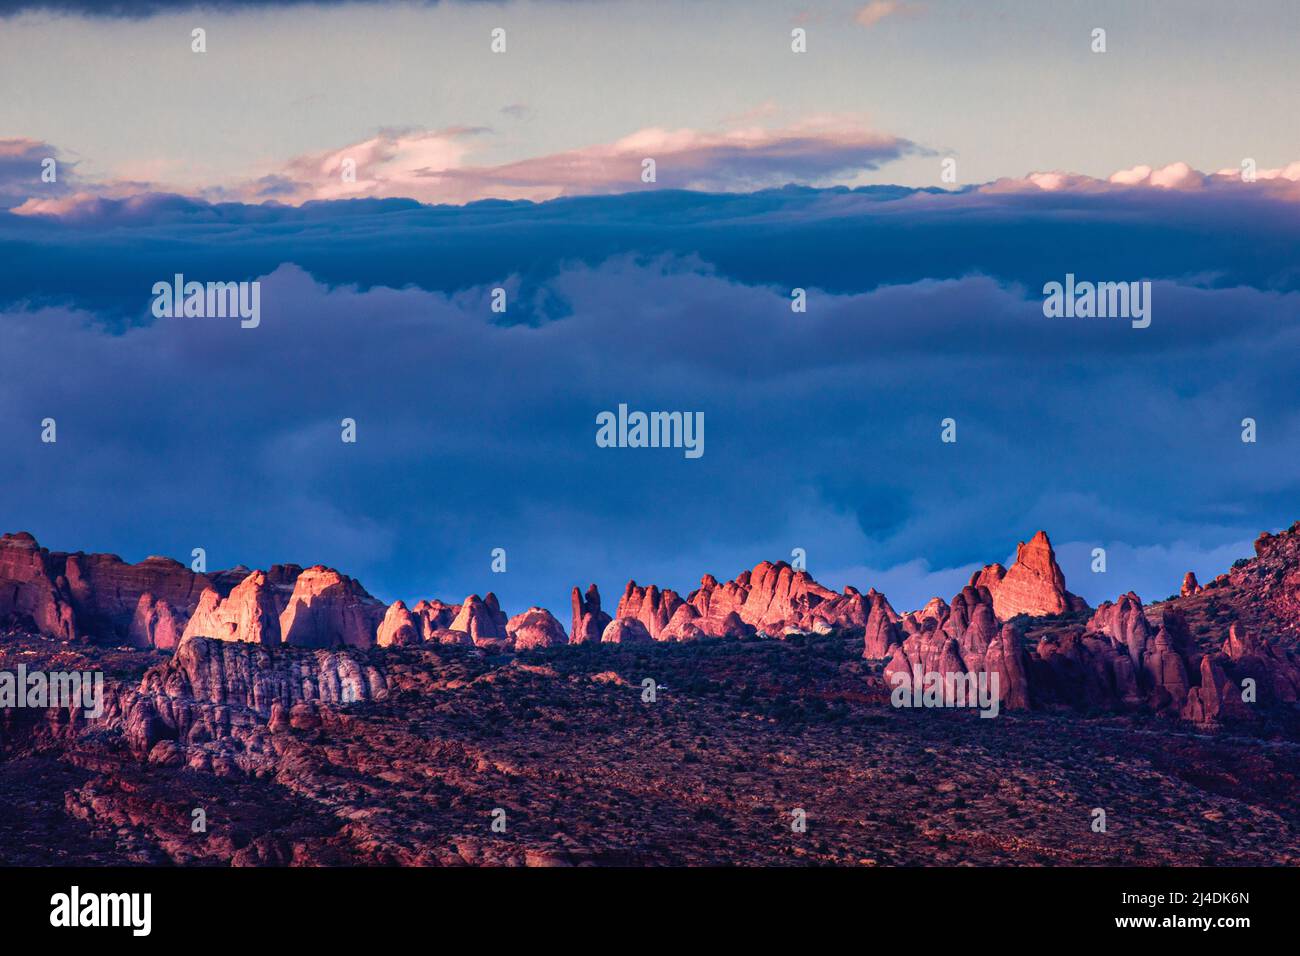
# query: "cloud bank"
{"points": [[103, 252], [822, 428], [822, 433]]}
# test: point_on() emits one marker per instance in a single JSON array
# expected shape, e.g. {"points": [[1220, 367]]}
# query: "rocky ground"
{"points": [[302, 721], [741, 734]]}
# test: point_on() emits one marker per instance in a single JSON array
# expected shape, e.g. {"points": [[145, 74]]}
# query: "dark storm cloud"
{"points": [[840, 241], [822, 429], [822, 432]]}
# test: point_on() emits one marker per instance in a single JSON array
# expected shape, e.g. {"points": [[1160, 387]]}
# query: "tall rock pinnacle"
{"points": [[1033, 585]]}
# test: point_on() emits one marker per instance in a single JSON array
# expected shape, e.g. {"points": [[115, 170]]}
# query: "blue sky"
{"points": [[476, 429]]}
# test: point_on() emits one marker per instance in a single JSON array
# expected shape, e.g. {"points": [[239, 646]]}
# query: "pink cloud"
{"points": [[437, 167], [1173, 176], [389, 164], [1283, 182], [440, 166], [877, 10], [118, 197], [20, 146]]}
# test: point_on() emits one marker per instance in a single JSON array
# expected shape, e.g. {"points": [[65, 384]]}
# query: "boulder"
{"points": [[625, 630], [536, 627]]}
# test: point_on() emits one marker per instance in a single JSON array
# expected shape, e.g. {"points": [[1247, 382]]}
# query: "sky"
{"points": [[775, 170], [1005, 87]]}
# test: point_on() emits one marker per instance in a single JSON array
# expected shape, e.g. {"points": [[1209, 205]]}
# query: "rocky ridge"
{"points": [[1206, 656]]}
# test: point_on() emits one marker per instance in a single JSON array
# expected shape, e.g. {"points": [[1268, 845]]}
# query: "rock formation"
{"points": [[1033, 585], [1126, 622], [536, 627], [250, 613], [626, 630], [29, 590], [589, 621], [106, 591], [434, 616], [399, 627], [155, 624], [1166, 671], [961, 638], [650, 606], [482, 620], [329, 609], [684, 625], [1217, 698], [772, 599], [1172, 658], [780, 597], [212, 690], [882, 632], [1006, 658]]}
